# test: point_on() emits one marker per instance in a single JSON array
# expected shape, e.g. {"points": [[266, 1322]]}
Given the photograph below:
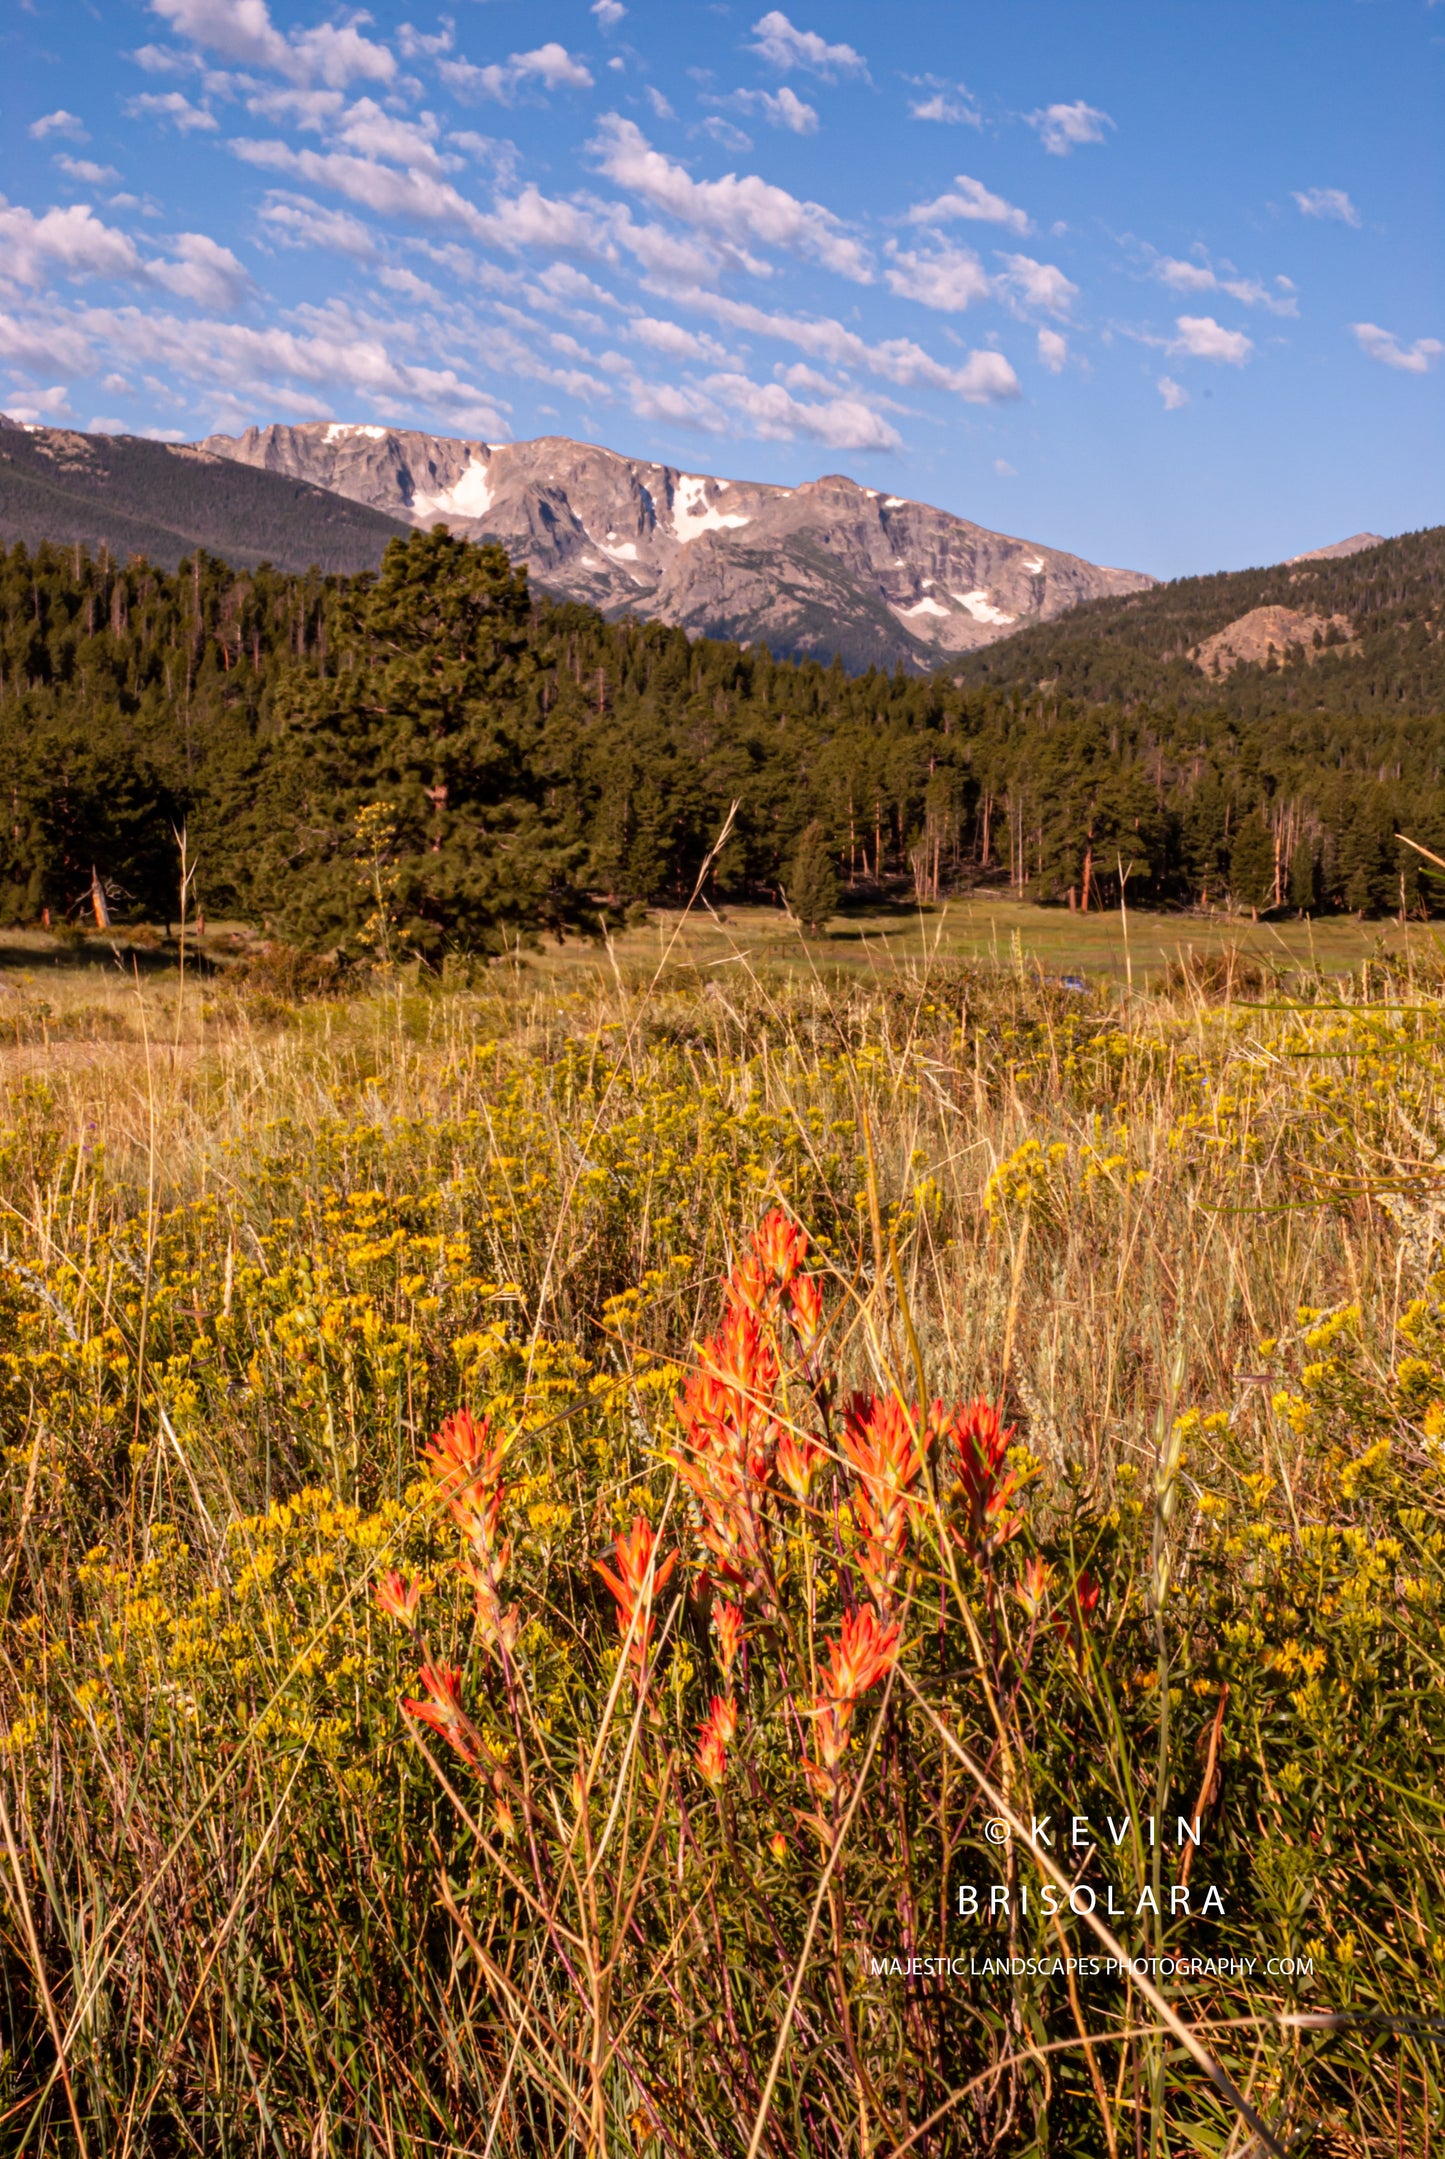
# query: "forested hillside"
{"points": [[126, 496], [430, 759], [1136, 650]]}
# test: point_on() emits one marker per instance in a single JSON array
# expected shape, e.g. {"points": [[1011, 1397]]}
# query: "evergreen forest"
{"points": [[433, 758]]}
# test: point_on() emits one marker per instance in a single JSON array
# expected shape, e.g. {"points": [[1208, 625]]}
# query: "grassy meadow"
{"points": [[562, 1527]]}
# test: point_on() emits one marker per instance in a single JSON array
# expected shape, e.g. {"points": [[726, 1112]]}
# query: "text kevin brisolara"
{"points": [[1172, 1900]]}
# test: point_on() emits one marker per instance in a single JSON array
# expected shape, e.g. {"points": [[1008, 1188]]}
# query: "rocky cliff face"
{"points": [[828, 567]]}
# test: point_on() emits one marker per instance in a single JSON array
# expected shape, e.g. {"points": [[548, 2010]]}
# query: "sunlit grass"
{"points": [[254, 1255]]}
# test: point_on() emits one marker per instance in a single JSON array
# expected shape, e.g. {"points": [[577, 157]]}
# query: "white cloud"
{"points": [[551, 65], [72, 241], [1004, 469], [242, 30], [781, 109], [659, 103], [296, 221], [86, 170], [609, 13], [770, 411], [76, 244], [783, 46], [947, 109], [1330, 202], [381, 188], [1053, 351], [1202, 338], [724, 133], [1040, 285], [1173, 393], [738, 210], [371, 132], [1062, 128], [313, 111], [678, 342], [416, 45], [205, 272], [410, 286], [170, 105], [969, 199], [59, 122], [1384, 346], [1202, 276], [985, 378], [38, 405], [269, 366], [949, 278]]}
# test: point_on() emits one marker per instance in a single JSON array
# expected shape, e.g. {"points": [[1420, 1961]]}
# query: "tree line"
{"points": [[431, 757]]}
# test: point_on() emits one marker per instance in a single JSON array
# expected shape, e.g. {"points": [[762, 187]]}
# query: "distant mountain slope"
{"points": [[827, 567], [1378, 614], [163, 501]]}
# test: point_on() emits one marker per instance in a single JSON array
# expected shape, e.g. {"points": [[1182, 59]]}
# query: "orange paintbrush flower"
{"points": [[714, 1737], [865, 1652], [883, 1443], [798, 1461], [467, 1467], [638, 1578], [980, 1441], [443, 1710], [806, 1296], [1033, 1587], [397, 1598], [728, 1623]]}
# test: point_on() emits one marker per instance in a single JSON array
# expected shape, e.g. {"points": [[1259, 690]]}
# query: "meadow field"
{"points": [[725, 1545]]}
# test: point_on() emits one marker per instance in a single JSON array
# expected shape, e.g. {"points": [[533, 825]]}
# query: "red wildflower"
{"points": [[1082, 1603], [884, 1446], [467, 1468], [397, 1598], [780, 1247], [714, 1738], [443, 1711], [637, 1581], [1085, 1598], [728, 1621], [727, 1411], [1033, 1587], [798, 1461], [981, 1442], [865, 1652], [806, 1295]]}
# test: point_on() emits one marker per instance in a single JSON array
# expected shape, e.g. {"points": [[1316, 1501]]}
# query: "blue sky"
{"points": [[1159, 282]]}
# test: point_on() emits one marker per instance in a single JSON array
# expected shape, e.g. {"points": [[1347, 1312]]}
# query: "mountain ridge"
{"points": [[128, 495], [1375, 639], [823, 568]]}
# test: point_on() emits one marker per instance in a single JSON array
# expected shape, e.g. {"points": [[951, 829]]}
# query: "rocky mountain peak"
{"points": [[829, 566]]}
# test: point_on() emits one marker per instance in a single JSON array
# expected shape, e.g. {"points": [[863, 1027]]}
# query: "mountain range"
{"points": [[128, 496], [827, 567]]}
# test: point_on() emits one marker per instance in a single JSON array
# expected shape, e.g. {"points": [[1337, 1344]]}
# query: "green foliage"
{"points": [[813, 888], [544, 765], [1135, 650]]}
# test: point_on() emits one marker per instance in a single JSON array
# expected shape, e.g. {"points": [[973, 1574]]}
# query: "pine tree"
{"points": [[812, 887], [1251, 865]]}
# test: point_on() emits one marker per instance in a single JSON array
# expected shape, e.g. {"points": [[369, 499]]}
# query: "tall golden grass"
{"points": [[254, 1256]]}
